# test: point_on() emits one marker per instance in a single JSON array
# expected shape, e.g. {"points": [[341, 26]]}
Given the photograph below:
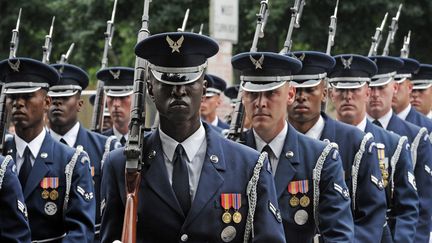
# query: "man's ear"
{"points": [[150, 89], [205, 84], [291, 94], [80, 104]]}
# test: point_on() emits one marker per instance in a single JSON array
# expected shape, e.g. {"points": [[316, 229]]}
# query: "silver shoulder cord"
{"points": [[251, 193]]}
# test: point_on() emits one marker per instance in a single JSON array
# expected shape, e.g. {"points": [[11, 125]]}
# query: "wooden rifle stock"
{"points": [[133, 179]]}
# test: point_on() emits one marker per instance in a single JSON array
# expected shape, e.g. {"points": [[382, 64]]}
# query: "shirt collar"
{"points": [[191, 144], [215, 122], [384, 120], [276, 144], [70, 136], [429, 115], [362, 124], [404, 113], [34, 145], [316, 131], [119, 135]]}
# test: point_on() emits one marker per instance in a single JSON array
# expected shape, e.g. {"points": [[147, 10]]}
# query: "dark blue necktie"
{"points": [[25, 168], [180, 180], [63, 141], [376, 122], [123, 141]]}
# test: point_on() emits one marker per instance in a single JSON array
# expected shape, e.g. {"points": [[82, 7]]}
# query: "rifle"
{"points": [[296, 13], [330, 43], [135, 143], [185, 19], [3, 110], [406, 46], [332, 29], [97, 119], [65, 57], [236, 125], [48, 44], [392, 32], [376, 39]]}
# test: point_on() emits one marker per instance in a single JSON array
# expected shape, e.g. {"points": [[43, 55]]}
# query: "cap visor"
{"points": [[261, 86], [64, 93], [23, 90], [306, 84], [118, 93], [380, 81], [176, 78], [348, 85]]}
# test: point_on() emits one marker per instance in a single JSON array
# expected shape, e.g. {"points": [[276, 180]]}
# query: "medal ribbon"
{"points": [[293, 187], [44, 183], [226, 201], [236, 198], [304, 186]]}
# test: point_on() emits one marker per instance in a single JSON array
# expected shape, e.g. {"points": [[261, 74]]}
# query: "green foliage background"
{"points": [[84, 22]]}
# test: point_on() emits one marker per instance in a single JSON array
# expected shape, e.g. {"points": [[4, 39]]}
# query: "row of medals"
{"points": [[53, 195], [304, 201], [235, 217], [384, 173]]}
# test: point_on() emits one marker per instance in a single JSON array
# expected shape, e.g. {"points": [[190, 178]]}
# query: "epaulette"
{"points": [[356, 165], [415, 144], [3, 167], [251, 193], [317, 178], [394, 159], [69, 173]]}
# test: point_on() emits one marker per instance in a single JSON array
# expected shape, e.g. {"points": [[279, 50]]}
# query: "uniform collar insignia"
{"points": [[14, 66], [347, 62], [116, 75], [258, 63], [175, 45]]}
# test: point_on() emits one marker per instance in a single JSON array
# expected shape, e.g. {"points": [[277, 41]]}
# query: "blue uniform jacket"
{"points": [[296, 163], [402, 203], [46, 216], [14, 225], [94, 144], [419, 119], [227, 168], [108, 132], [422, 173], [222, 124], [370, 202]]}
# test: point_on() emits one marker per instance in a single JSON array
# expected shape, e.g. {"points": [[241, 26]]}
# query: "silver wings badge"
{"points": [[347, 62], [258, 63], [175, 45], [116, 75], [14, 66]]}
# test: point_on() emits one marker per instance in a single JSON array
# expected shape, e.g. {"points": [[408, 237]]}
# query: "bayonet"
{"points": [[392, 31], [201, 29], [332, 29], [376, 39], [406, 46], [15, 38], [65, 57], [185, 19], [296, 12], [46, 48]]}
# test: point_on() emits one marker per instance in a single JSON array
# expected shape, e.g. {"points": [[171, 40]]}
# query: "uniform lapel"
{"points": [[40, 167], [329, 131], [82, 138], [156, 175], [210, 180], [288, 161]]}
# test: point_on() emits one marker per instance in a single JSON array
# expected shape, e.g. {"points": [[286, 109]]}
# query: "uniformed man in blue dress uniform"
{"points": [[308, 174], [215, 87], [380, 112], [56, 179], [14, 225], [193, 187], [118, 86], [394, 158], [356, 148], [401, 101], [65, 127], [421, 96]]}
